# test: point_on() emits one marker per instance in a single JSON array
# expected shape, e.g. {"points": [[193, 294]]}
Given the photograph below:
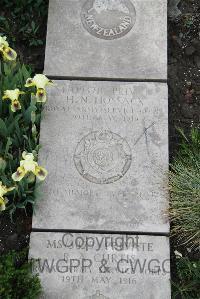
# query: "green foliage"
{"points": [[22, 20], [188, 285], [19, 132], [185, 191], [16, 278]]}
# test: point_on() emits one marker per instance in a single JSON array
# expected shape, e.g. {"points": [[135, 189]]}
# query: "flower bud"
{"points": [[34, 131], [2, 164], [33, 117]]}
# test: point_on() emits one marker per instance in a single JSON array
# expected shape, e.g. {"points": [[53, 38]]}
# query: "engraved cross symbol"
{"points": [[145, 133]]}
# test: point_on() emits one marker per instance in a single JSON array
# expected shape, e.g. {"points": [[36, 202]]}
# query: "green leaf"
{"points": [[29, 112], [21, 205], [25, 72], [3, 129], [8, 144]]}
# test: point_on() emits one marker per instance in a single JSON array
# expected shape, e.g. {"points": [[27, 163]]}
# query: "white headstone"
{"points": [[124, 39], [105, 146], [101, 266]]}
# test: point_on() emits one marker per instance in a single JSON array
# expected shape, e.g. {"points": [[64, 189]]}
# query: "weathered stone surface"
{"points": [[133, 44], [105, 145], [91, 266]]}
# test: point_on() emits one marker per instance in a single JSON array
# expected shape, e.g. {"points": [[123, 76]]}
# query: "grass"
{"points": [[187, 285], [185, 191], [184, 181]]}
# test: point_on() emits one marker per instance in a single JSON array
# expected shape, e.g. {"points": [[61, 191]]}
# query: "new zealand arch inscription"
{"points": [[108, 19]]}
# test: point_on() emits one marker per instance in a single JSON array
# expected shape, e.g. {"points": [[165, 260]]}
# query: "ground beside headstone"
{"points": [[105, 146], [107, 39], [102, 266]]}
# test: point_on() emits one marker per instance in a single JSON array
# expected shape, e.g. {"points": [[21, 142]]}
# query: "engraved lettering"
{"points": [[109, 19]]}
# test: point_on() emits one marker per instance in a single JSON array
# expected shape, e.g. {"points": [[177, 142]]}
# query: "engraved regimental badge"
{"points": [[98, 295], [108, 19], [102, 157]]}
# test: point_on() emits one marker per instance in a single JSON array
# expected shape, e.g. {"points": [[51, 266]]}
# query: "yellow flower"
{"points": [[3, 41], [40, 81], [3, 202], [13, 95], [28, 166], [4, 190], [7, 52], [41, 95]]}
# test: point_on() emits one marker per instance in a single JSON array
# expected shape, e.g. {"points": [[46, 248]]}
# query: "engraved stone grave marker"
{"points": [[124, 39], [102, 266], [105, 145]]}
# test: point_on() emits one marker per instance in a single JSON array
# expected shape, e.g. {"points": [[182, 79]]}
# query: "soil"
{"points": [[183, 82], [184, 100], [14, 235], [184, 71]]}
